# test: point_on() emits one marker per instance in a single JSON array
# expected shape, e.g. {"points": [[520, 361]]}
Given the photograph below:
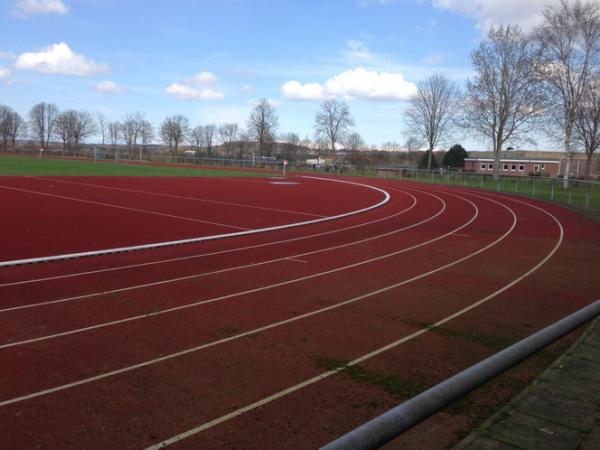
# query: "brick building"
{"points": [[514, 166]]}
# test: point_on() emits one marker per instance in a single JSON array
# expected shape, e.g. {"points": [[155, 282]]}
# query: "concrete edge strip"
{"points": [[155, 245]]}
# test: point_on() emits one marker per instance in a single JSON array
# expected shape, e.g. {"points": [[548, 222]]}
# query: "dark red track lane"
{"points": [[153, 403]]}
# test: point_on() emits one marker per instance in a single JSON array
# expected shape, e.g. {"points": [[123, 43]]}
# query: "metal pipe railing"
{"points": [[391, 424]]}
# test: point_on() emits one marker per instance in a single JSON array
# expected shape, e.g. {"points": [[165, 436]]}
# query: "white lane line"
{"points": [[126, 208], [263, 328], [228, 296], [363, 358], [237, 249], [209, 238], [182, 197], [289, 259], [228, 269]]}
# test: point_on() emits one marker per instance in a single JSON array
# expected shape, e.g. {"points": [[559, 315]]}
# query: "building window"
{"points": [[483, 166], [505, 166], [536, 168], [543, 166], [490, 166], [521, 167], [513, 167]]}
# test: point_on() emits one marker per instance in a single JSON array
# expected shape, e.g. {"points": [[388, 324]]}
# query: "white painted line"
{"points": [[237, 249], [263, 328], [208, 238], [289, 259], [361, 359], [183, 197], [110, 205], [244, 266], [228, 296]]}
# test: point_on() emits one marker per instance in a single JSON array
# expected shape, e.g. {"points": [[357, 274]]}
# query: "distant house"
{"points": [[514, 167]]}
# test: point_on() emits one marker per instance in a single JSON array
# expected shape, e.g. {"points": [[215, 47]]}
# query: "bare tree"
{"points": [[146, 135], [504, 98], [262, 125], [291, 141], [102, 126], [4, 124], [130, 130], [114, 134], [333, 122], [432, 111], [587, 121], [12, 125], [42, 119], [228, 133], [16, 127], [63, 129], [569, 38], [84, 126], [196, 137], [355, 142], [174, 130], [209, 137]]}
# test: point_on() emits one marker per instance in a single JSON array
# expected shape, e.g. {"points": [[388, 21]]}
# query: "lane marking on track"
{"points": [[228, 269], [110, 205], [228, 296], [269, 326], [209, 238], [220, 252], [363, 358], [183, 197], [289, 259]]}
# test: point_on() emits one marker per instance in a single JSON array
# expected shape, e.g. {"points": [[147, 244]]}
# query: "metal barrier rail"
{"points": [[391, 424]]}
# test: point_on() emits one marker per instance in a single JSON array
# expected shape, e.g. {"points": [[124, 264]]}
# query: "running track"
{"points": [[231, 343]]}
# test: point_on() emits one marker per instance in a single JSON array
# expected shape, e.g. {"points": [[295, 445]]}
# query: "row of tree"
{"points": [[134, 132], [545, 80]]}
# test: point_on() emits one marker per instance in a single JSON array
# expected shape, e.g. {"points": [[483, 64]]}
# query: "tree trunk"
{"points": [[429, 158], [568, 143], [588, 165], [497, 156]]}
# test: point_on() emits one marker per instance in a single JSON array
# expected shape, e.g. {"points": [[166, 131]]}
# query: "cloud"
{"points": [[5, 55], [195, 88], [359, 83], [4, 73], [246, 88], [527, 14], [25, 7], [109, 87], [434, 59], [186, 92], [203, 78], [296, 91], [358, 49], [59, 59]]}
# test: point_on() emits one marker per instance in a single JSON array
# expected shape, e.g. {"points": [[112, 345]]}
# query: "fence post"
{"points": [[587, 195], [465, 181], [552, 189], [481, 184], [498, 184], [516, 183], [533, 186]]}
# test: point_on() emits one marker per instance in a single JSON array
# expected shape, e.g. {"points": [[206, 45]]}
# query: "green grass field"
{"points": [[22, 166]]}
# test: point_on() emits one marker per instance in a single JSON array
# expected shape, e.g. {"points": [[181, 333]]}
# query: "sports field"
{"points": [[322, 303]]}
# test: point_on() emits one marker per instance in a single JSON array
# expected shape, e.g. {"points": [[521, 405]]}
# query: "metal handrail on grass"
{"points": [[394, 422]]}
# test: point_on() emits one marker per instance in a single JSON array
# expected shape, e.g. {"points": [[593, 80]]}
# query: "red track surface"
{"points": [[130, 350]]}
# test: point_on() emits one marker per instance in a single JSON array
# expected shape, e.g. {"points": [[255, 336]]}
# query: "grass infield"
{"points": [[23, 166]]}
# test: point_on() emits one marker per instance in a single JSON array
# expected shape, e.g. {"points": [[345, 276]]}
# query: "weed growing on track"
{"points": [[394, 385]]}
